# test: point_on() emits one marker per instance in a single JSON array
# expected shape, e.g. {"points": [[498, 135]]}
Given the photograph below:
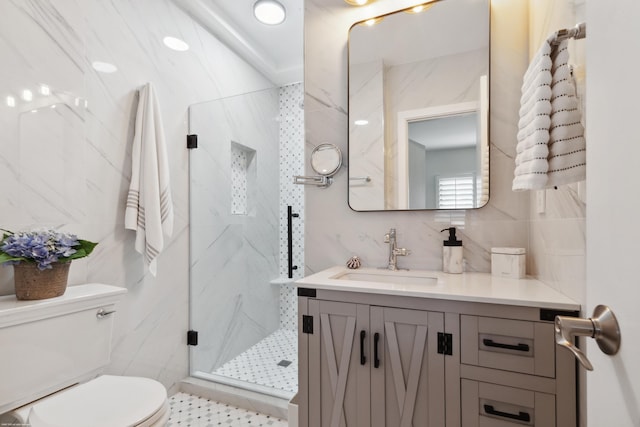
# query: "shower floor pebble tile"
{"points": [[188, 410]]}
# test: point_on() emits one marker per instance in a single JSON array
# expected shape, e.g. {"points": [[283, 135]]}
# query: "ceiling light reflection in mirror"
{"points": [[356, 2]]}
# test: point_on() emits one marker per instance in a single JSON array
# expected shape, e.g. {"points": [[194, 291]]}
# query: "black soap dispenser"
{"points": [[452, 253]]}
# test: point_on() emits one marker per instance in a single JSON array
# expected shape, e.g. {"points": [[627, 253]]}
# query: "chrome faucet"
{"points": [[394, 250]]}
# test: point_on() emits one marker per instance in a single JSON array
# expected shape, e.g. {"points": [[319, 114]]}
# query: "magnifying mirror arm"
{"points": [[318, 181]]}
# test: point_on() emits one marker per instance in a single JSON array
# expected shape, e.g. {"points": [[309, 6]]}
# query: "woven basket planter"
{"points": [[32, 283]]}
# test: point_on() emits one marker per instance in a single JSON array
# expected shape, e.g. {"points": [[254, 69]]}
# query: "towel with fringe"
{"points": [[551, 146], [149, 208]]}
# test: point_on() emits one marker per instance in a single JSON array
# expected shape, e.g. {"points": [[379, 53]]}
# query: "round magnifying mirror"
{"points": [[326, 159]]}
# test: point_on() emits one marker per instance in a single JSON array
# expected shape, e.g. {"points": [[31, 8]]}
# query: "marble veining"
{"points": [[367, 142], [69, 166]]}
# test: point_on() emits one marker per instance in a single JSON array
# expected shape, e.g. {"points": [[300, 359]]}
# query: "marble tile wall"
{"points": [[367, 142], [70, 166], [557, 252], [333, 231]]}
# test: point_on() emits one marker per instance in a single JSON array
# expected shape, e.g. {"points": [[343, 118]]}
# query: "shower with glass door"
{"points": [[243, 305]]}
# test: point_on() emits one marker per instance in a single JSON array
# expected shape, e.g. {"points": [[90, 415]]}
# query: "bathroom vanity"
{"points": [[417, 348]]}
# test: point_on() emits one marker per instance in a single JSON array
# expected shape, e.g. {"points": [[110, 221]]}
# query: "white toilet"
{"points": [[54, 351]]}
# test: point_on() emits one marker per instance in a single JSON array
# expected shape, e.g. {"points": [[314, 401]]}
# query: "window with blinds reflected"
{"points": [[456, 192]]}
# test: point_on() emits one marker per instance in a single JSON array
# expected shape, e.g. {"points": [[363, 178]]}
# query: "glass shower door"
{"points": [[234, 229]]}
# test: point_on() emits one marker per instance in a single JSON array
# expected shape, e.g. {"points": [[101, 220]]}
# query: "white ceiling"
{"points": [[274, 50], [451, 132], [447, 28]]}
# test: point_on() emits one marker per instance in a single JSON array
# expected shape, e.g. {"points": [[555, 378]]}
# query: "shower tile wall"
{"points": [[292, 164], [288, 307], [238, 181], [54, 43]]}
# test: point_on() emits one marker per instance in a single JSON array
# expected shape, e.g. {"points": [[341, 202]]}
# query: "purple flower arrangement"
{"points": [[43, 247]]}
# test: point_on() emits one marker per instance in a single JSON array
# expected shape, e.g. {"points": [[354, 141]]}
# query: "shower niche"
{"points": [[243, 179], [240, 304]]}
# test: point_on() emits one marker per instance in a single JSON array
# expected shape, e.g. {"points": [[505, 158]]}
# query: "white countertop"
{"points": [[470, 287]]}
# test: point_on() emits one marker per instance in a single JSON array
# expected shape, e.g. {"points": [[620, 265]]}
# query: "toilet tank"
{"points": [[53, 343]]}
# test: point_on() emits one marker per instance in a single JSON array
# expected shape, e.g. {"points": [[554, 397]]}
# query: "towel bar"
{"points": [[577, 32]]}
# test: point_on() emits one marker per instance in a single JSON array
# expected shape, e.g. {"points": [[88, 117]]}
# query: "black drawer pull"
{"points": [[363, 359], [518, 347], [376, 360], [522, 416]]}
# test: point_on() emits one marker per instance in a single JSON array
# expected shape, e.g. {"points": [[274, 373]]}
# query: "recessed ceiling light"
{"points": [[361, 122], [269, 12], [104, 67], [356, 2], [175, 44], [45, 90], [11, 101]]}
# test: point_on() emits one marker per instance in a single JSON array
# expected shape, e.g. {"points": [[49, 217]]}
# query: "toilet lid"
{"points": [[106, 401]]}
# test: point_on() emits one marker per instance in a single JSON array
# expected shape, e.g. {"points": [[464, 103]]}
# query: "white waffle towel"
{"points": [[567, 146], [533, 127], [551, 146], [149, 208]]}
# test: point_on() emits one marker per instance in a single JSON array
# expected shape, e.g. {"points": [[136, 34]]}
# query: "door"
{"points": [[233, 236], [407, 373], [339, 376], [613, 200]]}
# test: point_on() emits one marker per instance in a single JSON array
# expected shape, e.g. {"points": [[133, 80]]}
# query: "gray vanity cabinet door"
{"points": [[407, 387], [339, 384]]}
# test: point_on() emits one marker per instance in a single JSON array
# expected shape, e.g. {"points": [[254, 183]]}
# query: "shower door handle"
{"points": [[290, 266]]}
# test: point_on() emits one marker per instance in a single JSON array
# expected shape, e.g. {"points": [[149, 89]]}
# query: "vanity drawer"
{"points": [[510, 345], [491, 405]]}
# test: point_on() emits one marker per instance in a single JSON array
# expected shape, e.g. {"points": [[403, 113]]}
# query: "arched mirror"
{"points": [[418, 108]]}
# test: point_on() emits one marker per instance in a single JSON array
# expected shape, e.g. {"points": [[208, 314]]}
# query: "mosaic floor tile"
{"points": [[188, 410], [266, 362]]}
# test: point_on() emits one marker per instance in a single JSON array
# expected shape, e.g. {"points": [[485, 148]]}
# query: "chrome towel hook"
{"points": [[602, 326]]}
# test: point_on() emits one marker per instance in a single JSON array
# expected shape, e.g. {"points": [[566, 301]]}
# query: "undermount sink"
{"points": [[383, 276]]}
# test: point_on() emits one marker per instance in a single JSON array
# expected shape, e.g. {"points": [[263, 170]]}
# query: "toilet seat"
{"points": [[105, 401]]}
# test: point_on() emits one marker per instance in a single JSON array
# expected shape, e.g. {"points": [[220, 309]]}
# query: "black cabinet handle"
{"points": [[363, 359], [522, 416], [376, 360], [518, 347]]}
